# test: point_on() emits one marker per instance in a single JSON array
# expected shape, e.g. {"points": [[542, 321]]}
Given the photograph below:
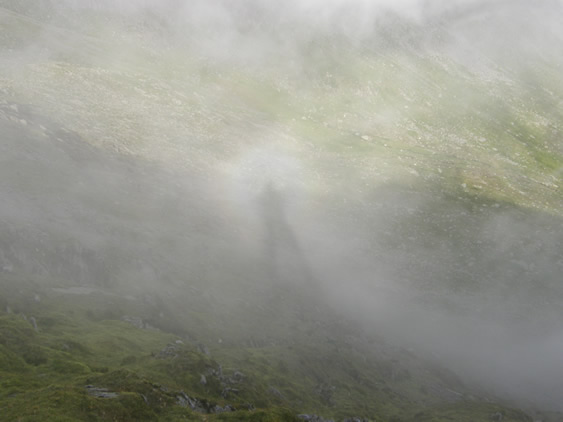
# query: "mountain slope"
{"points": [[358, 221]]}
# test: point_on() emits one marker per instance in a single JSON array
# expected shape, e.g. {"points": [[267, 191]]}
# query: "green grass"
{"points": [[454, 144], [470, 412], [43, 374]]}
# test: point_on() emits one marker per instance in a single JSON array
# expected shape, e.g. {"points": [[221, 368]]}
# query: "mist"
{"points": [[396, 161]]}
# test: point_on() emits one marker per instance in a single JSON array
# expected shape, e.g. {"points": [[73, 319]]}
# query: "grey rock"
{"points": [[226, 391], [275, 392], [313, 418], [102, 393], [169, 352], [218, 373], [186, 401], [236, 378], [34, 323], [201, 406], [227, 408], [202, 348], [136, 322]]}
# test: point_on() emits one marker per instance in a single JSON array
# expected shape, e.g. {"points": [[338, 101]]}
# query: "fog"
{"points": [[99, 188]]}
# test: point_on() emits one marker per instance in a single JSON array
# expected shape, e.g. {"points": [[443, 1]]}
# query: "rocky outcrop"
{"points": [[169, 352], [138, 322], [201, 406], [101, 393]]}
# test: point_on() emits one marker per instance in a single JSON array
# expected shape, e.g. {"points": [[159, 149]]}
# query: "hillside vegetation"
{"points": [[252, 213]]}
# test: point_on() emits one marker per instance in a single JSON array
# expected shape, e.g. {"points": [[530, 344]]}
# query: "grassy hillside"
{"points": [[208, 223], [63, 348]]}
